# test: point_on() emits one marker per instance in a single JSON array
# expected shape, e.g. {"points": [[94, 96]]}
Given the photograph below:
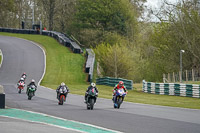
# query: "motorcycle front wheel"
{"points": [[30, 95], [61, 100], [19, 91]]}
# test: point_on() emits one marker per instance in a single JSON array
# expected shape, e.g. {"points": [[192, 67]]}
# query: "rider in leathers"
{"points": [[31, 83], [59, 87], [119, 86], [93, 85]]}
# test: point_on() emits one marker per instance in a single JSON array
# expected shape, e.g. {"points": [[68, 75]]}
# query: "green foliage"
{"points": [[96, 18], [7, 5], [114, 38], [115, 60], [7, 8], [161, 50]]}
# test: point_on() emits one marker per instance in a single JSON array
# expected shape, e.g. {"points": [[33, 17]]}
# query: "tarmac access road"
{"points": [[130, 118]]}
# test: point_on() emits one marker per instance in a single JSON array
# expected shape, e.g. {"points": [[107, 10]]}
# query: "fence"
{"points": [[2, 98], [60, 37], [89, 66], [113, 81], [187, 75], [188, 90]]}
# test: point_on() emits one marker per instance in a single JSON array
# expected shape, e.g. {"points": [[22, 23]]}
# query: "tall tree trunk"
{"points": [[51, 13]]}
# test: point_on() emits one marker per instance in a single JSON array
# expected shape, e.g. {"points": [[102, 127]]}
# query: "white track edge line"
{"points": [[44, 71], [51, 89], [43, 123], [70, 120], [1, 58]]}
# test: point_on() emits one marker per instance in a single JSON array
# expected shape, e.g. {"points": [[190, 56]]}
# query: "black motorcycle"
{"points": [[31, 91], [91, 98]]}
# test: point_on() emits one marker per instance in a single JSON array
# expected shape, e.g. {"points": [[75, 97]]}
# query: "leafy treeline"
{"points": [[180, 31], [125, 45]]}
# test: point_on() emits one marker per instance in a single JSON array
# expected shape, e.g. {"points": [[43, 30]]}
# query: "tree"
{"points": [[101, 16], [6, 9], [178, 29], [116, 60], [49, 8]]}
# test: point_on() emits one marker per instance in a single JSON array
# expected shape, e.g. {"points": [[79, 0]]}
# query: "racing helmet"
{"points": [[62, 84], [93, 84], [121, 83]]}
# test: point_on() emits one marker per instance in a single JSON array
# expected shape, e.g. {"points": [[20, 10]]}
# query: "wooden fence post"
{"points": [[173, 77], [192, 74], [163, 78], [186, 76], [169, 77]]}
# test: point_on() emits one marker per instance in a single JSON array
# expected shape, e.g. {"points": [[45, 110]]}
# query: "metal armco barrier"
{"points": [[2, 98], [187, 90], [89, 67], [113, 81], [60, 37]]}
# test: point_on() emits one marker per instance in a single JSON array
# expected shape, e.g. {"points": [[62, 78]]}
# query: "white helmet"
{"points": [[32, 80], [62, 84], [22, 79], [93, 84]]}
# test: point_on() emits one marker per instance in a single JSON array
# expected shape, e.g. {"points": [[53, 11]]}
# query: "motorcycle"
{"points": [[31, 91], [20, 86], [91, 98], [24, 77], [119, 97], [62, 95]]}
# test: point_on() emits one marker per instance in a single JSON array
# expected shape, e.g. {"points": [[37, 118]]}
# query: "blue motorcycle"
{"points": [[119, 97]]}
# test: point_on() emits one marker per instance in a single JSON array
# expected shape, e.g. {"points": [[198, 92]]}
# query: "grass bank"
{"points": [[63, 65]]}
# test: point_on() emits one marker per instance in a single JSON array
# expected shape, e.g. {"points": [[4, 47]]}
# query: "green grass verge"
{"points": [[62, 65]]}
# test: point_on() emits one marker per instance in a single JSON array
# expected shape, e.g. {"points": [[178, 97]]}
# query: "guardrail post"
{"points": [[2, 98]]}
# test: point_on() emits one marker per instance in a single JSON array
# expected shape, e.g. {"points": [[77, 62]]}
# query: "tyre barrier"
{"points": [[89, 67], [109, 81], [2, 98], [186, 90], [60, 37]]}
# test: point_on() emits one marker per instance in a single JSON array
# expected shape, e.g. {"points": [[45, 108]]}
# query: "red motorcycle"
{"points": [[62, 95], [20, 86]]}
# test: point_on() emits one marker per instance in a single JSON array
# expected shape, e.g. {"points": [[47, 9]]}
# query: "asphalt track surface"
{"points": [[9, 125], [130, 118]]}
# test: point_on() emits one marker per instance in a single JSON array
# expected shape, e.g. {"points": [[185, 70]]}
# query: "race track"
{"points": [[21, 55]]}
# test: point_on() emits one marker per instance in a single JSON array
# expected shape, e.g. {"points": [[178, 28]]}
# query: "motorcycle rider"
{"points": [[59, 87], [24, 75], [92, 85], [119, 86], [21, 81], [31, 83]]}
